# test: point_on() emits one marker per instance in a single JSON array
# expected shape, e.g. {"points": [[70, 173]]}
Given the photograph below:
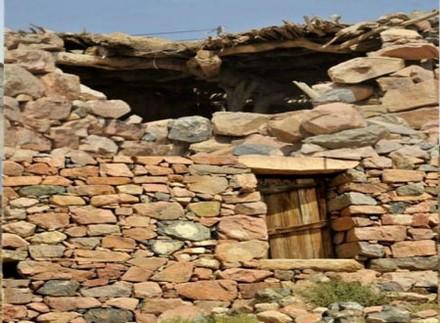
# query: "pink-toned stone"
{"points": [[123, 302], [242, 227], [219, 290], [160, 305], [410, 51], [147, 290], [383, 233], [50, 220], [91, 215], [241, 251], [137, 274], [179, 272], [116, 169], [117, 242], [402, 175], [287, 128], [71, 303], [362, 209], [140, 234], [331, 118], [64, 85], [66, 200], [418, 95], [21, 180], [414, 248], [109, 199], [421, 234], [245, 275], [11, 168], [101, 255]]}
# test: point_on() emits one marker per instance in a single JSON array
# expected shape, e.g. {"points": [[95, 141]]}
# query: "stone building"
{"points": [[145, 178]]}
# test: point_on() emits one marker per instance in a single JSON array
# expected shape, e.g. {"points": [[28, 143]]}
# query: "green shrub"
{"points": [[334, 291]]}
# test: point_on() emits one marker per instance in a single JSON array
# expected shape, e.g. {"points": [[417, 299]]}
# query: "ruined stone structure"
{"points": [[111, 219]]}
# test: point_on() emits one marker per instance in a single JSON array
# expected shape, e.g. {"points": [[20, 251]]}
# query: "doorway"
{"points": [[296, 218]]}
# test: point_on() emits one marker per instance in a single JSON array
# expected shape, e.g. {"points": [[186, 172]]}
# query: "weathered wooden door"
{"points": [[296, 219]]}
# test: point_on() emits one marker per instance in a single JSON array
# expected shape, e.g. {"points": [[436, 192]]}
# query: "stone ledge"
{"points": [[295, 165], [315, 264]]}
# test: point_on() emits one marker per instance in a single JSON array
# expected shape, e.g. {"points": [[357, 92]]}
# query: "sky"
{"points": [[156, 16]]}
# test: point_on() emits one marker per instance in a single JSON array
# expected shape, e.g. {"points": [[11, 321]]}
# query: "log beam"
{"points": [[120, 63]]}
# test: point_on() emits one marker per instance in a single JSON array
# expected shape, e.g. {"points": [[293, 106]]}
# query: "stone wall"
{"points": [[137, 237], [108, 216]]}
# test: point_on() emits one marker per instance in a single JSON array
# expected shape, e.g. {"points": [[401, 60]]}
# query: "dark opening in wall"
{"points": [[252, 83], [10, 270]]}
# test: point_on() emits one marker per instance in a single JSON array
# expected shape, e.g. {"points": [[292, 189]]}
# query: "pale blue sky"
{"points": [[149, 16]]}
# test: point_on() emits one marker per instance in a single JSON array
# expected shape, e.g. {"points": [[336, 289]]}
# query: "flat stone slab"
{"points": [[295, 165], [315, 264]]}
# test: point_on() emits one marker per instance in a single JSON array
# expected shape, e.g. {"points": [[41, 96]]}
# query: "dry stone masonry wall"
{"points": [[110, 219]]}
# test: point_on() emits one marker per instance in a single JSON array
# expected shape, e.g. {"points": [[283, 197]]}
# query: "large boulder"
{"points": [[287, 128], [352, 138], [62, 84], [331, 92], [190, 129], [331, 118], [238, 124], [34, 60], [361, 69], [414, 96], [20, 81], [113, 109], [409, 52]]}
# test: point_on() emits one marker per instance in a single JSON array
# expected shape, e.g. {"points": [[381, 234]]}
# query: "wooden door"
{"points": [[296, 219]]}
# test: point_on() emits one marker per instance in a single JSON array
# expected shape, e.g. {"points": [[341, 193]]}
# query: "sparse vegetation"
{"points": [[414, 308], [324, 294], [239, 318]]}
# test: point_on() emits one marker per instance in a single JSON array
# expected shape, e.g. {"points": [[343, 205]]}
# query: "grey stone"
{"points": [[409, 263], [46, 251], [190, 129], [59, 288], [108, 315], [393, 124], [272, 294], [99, 144], [41, 190], [352, 138], [389, 315], [86, 243], [20, 81], [255, 149], [351, 198], [398, 207], [347, 94], [165, 247], [411, 189], [118, 289], [385, 146], [351, 306], [401, 161], [213, 169], [13, 255], [428, 168], [185, 230]]}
